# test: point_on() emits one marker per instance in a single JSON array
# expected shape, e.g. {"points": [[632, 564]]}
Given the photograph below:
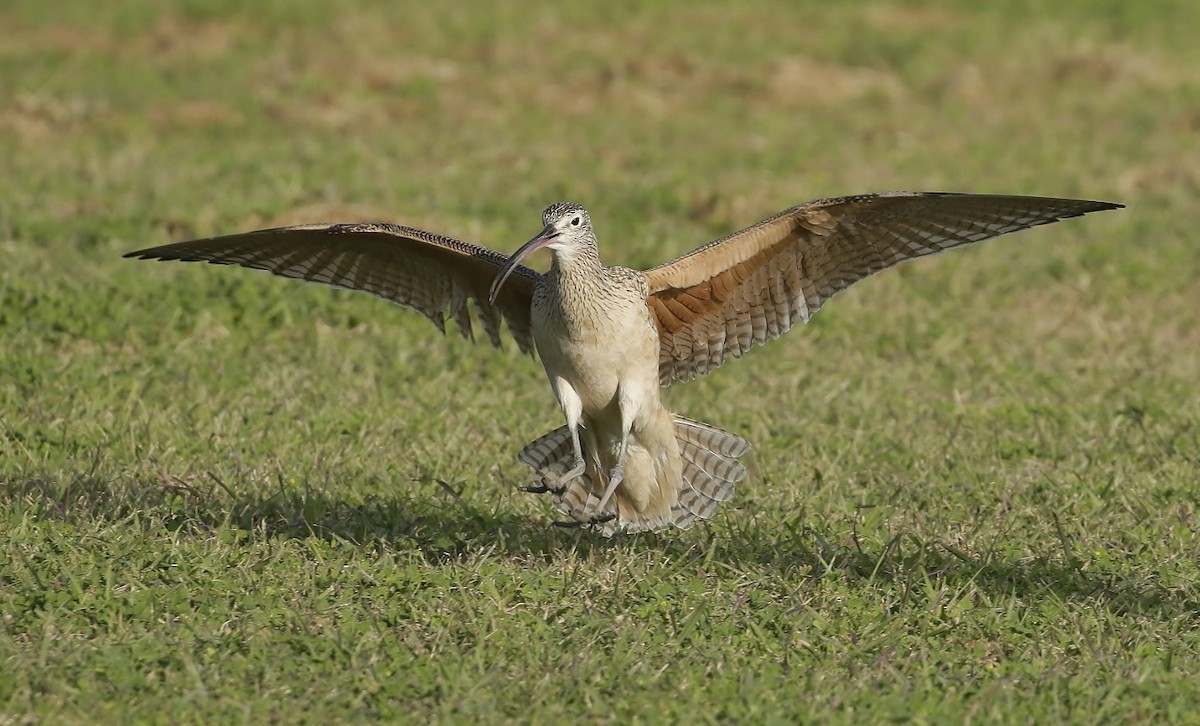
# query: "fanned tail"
{"points": [[711, 472]]}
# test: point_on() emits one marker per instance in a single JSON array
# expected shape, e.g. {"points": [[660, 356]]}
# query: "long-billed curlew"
{"points": [[609, 337]]}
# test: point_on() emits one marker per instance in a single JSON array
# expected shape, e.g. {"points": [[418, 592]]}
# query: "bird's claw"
{"points": [[594, 520], [570, 524], [546, 485], [549, 484]]}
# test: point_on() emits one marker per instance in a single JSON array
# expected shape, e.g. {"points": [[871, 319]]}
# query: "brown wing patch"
{"points": [[677, 307], [754, 285]]}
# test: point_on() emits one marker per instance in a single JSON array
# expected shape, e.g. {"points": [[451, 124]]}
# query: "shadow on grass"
{"points": [[434, 520], [446, 527]]}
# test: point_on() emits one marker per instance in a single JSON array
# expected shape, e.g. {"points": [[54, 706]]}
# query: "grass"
{"points": [[227, 497]]}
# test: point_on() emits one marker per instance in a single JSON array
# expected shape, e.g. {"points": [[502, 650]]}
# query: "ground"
{"points": [[230, 497]]}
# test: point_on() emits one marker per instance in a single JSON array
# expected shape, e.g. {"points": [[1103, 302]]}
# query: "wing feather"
{"points": [[754, 285], [435, 275]]}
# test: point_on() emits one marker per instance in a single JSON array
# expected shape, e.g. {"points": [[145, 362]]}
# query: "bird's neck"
{"points": [[580, 263]]}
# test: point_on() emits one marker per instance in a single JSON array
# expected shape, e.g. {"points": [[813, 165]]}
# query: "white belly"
{"points": [[596, 355]]}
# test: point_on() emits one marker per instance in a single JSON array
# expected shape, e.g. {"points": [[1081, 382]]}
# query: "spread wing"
{"points": [[429, 273], [752, 286]]}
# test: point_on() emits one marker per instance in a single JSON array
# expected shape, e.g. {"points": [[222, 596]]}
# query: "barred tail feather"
{"points": [[711, 472]]}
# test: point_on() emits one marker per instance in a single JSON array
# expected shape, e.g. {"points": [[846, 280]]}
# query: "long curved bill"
{"points": [[543, 238]]}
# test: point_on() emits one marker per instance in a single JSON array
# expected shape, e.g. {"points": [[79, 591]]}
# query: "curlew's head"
{"points": [[568, 228]]}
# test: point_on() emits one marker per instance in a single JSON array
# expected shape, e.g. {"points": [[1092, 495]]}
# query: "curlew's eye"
{"points": [[575, 222]]}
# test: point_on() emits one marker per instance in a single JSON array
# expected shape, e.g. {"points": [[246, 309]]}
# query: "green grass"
{"points": [[227, 497]]}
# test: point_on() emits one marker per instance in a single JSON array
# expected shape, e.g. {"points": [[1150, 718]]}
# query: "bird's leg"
{"points": [[557, 484], [625, 406], [572, 407], [614, 479], [580, 465]]}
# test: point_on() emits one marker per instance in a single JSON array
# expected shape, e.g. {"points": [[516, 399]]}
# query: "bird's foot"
{"points": [[598, 519], [556, 484], [594, 520]]}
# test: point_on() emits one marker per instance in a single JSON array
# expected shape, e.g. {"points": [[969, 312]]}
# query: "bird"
{"points": [[611, 337]]}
